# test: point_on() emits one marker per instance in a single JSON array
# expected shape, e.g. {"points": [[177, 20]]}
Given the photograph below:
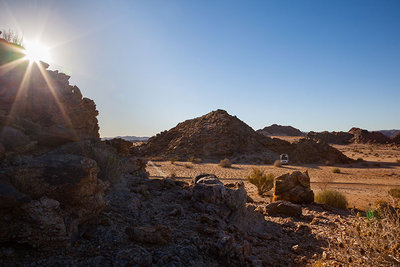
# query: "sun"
{"points": [[36, 51]]}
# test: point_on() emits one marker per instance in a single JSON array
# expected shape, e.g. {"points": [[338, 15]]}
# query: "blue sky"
{"points": [[315, 65]]}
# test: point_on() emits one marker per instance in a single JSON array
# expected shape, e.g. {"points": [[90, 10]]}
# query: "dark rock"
{"points": [[285, 208], [294, 187], [159, 234], [279, 130]]}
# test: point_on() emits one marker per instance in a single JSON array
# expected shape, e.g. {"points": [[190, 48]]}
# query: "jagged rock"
{"points": [[279, 130], [135, 166], [10, 197], [294, 187], [218, 135], [159, 234], [361, 136], [396, 139], [13, 139], [122, 146], [309, 151], [340, 138], [285, 208], [69, 193], [42, 224], [46, 110], [210, 190]]}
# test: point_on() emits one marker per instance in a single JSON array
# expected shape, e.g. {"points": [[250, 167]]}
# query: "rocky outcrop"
{"points": [[215, 135], [396, 139], [279, 130], [39, 107], [51, 156], [309, 151], [361, 136], [339, 138], [218, 135], [294, 187], [57, 193]]}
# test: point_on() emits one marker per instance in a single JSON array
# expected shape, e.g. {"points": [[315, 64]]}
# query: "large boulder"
{"points": [[209, 189], [294, 187], [47, 199], [285, 208]]}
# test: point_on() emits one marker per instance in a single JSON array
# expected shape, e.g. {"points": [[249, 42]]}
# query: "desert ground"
{"points": [[364, 183]]}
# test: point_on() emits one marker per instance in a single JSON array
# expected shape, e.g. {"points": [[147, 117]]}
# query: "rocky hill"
{"points": [[218, 135], [340, 138], [354, 135], [396, 139], [279, 130], [390, 133], [361, 136]]}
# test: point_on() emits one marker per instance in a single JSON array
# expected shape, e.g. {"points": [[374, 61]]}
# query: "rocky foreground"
{"points": [[165, 222]]}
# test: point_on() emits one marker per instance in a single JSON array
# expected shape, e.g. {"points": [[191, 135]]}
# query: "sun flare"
{"points": [[36, 51]]}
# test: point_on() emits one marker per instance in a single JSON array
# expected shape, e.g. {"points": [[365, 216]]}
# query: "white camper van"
{"points": [[284, 158]]}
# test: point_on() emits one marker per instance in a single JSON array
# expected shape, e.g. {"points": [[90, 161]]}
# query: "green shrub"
{"points": [[332, 198], [278, 163], [263, 182], [225, 163], [394, 192], [336, 170]]}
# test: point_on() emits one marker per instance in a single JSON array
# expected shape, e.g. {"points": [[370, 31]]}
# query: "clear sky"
{"points": [[315, 65]]}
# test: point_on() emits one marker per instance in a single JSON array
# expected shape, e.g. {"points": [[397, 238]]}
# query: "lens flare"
{"points": [[36, 51]]}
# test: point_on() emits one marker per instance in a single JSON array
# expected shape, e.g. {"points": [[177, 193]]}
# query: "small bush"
{"points": [[394, 192], [263, 182], [360, 159], [225, 163], [172, 176], [332, 198], [336, 170], [278, 163]]}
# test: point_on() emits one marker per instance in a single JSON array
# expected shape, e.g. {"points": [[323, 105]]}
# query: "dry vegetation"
{"points": [[332, 198], [263, 182]]}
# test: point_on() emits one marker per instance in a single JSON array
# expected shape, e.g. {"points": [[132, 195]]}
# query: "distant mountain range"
{"points": [[132, 139]]}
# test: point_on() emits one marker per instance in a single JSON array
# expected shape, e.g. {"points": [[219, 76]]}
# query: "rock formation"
{"points": [[339, 138], [361, 136], [218, 135], [279, 130], [294, 187], [51, 156], [396, 139]]}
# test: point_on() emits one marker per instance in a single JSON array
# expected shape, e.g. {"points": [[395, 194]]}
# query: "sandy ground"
{"points": [[363, 183]]}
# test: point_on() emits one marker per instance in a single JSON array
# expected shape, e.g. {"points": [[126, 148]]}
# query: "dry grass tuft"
{"points": [[332, 198], [225, 163], [336, 170], [263, 182]]}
